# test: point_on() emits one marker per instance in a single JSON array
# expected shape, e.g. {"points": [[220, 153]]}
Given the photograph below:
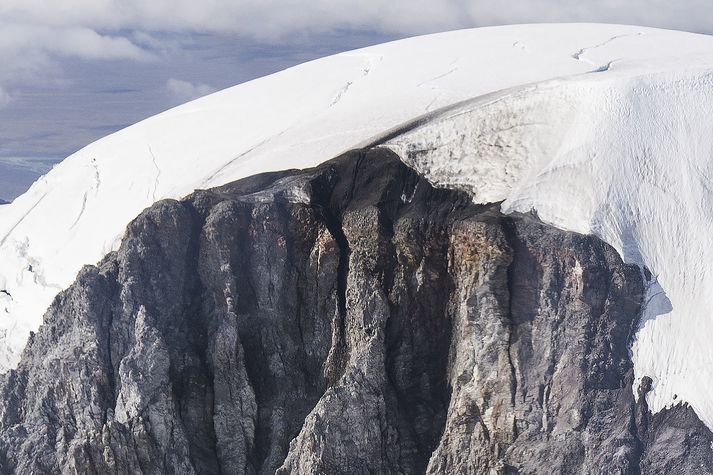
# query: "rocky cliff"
{"points": [[345, 319]]}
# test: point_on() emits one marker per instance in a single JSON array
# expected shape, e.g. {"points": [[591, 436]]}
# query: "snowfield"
{"points": [[600, 129]]}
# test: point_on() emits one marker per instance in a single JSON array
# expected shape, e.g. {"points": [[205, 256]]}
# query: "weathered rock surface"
{"points": [[345, 319]]}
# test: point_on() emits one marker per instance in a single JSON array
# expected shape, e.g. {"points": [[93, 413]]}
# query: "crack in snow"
{"points": [[35, 267], [433, 101], [605, 67], [440, 76], [519, 44], [580, 54], [434, 87], [22, 218], [364, 73], [158, 174], [97, 178], [97, 183], [243, 154], [341, 93], [81, 211]]}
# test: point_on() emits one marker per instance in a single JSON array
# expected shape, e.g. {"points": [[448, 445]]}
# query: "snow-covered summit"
{"points": [[599, 128]]}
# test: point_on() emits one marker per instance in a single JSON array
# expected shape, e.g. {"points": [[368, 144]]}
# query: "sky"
{"points": [[73, 71]]}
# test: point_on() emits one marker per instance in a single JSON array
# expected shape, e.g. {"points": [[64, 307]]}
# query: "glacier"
{"points": [[599, 129]]}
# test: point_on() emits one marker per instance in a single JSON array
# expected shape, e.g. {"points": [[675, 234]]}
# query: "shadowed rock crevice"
{"points": [[345, 319]]}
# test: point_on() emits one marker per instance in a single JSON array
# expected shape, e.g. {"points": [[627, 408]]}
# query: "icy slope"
{"points": [[621, 139]]}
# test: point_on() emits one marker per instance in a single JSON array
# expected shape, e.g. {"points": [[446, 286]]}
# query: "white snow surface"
{"points": [[600, 129]]}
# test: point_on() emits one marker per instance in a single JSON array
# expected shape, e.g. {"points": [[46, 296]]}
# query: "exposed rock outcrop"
{"points": [[345, 319]]}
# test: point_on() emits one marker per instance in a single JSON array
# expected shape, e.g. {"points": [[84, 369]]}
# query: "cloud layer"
{"points": [[30, 53], [278, 18], [34, 33], [252, 18]]}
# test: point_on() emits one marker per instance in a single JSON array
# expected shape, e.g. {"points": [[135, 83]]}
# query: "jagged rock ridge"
{"points": [[345, 319]]}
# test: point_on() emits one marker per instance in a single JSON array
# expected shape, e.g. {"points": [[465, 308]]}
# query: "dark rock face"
{"points": [[345, 319]]}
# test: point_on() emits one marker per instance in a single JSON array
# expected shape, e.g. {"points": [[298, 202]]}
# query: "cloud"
{"points": [[75, 41], [183, 91], [30, 53]]}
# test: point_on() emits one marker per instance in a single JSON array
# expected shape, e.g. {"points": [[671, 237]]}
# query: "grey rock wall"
{"points": [[345, 319]]}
